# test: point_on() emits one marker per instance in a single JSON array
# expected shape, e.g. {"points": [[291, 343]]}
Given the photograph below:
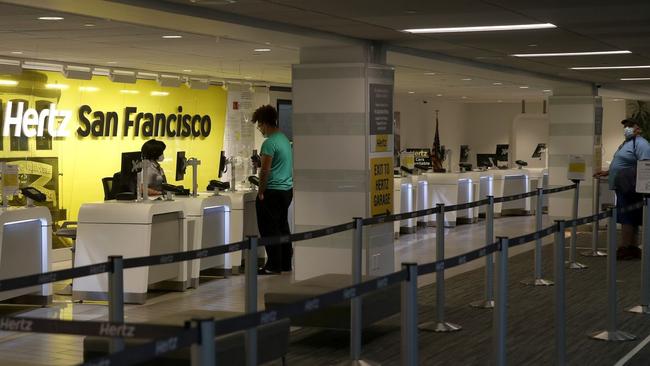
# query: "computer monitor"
{"points": [[486, 160], [130, 168], [181, 165], [502, 152], [222, 163], [541, 148]]}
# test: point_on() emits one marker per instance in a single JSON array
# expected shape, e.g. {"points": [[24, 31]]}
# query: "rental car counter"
{"points": [[243, 222], [506, 182], [131, 229], [453, 189], [25, 242]]}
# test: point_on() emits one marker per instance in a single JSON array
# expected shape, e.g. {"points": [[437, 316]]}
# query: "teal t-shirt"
{"points": [[278, 147]]}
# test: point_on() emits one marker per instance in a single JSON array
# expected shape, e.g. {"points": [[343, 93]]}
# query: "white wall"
{"points": [[529, 130], [613, 114], [418, 123]]}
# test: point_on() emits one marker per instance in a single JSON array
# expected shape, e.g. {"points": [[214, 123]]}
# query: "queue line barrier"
{"points": [[189, 336]]}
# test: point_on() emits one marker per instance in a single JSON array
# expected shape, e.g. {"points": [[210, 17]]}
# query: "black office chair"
{"points": [[107, 183]]}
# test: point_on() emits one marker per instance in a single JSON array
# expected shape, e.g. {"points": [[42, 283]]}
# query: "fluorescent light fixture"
{"points": [[77, 72], [88, 88], [262, 50], [463, 97], [57, 86], [611, 67], [497, 83], [8, 82], [17, 52], [438, 95], [523, 87], [159, 94], [169, 80], [187, 70], [50, 18], [111, 62], [466, 79], [429, 73], [547, 91], [122, 76], [127, 91], [411, 92], [634, 79], [172, 36], [489, 28], [12, 67], [199, 84], [558, 54], [89, 25]]}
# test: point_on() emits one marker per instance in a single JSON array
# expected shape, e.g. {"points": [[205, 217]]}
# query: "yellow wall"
{"points": [[84, 161]]}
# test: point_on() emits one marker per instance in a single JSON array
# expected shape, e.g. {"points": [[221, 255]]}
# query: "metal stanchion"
{"points": [[203, 354], [594, 252], [612, 334], [116, 298], [560, 296], [410, 316], [356, 325], [537, 280], [644, 308], [572, 263], [251, 299], [488, 302], [440, 325], [500, 314]]}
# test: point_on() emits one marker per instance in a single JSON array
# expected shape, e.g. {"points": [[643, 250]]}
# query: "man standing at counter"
{"points": [[622, 179], [275, 189]]}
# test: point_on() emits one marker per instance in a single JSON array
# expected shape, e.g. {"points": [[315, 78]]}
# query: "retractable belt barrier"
{"points": [[184, 256], [48, 277], [515, 197]]}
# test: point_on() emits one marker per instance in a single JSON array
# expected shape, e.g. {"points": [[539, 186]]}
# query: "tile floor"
{"points": [[224, 294]]}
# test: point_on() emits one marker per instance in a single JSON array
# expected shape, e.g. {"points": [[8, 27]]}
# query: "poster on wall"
{"points": [[239, 141], [381, 186], [380, 115]]}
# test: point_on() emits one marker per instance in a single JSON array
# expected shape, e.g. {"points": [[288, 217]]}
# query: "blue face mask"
{"points": [[628, 132]]}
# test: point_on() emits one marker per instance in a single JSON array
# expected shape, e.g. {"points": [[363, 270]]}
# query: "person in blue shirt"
{"points": [[621, 177]]}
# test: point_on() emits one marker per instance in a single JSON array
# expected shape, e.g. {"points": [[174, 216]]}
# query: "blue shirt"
{"points": [[627, 155]]}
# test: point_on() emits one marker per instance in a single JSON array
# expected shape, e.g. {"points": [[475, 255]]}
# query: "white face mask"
{"points": [[161, 158], [628, 132]]}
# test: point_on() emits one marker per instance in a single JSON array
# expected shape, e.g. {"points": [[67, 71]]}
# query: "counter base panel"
{"points": [[30, 299], [407, 230], [217, 272], [466, 220]]}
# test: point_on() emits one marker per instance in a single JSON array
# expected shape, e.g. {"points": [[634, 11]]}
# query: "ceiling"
{"points": [[219, 37]]}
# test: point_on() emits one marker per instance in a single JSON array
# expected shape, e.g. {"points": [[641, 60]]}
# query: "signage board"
{"points": [[9, 179], [577, 167], [422, 158], [381, 186], [381, 109], [407, 160], [643, 177]]}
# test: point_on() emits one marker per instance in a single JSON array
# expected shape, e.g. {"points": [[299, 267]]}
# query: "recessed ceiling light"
{"points": [[523, 87], [634, 79], [127, 91], [56, 86], [547, 91], [111, 62], [466, 79], [489, 28], [8, 82], [262, 50], [616, 100], [611, 67], [17, 52], [88, 89], [172, 36], [89, 25], [497, 83], [429, 73], [187, 70], [556, 54], [499, 101], [463, 97], [438, 95], [411, 92], [50, 18], [159, 94]]}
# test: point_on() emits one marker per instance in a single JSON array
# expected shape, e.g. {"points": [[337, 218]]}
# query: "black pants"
{"points": [[272, 220]]}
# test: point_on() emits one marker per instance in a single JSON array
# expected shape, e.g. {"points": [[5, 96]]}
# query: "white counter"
{"points": [[452, 189], [130, 229], [505, 183], [25, 245], [208, 225], [243, 221]]}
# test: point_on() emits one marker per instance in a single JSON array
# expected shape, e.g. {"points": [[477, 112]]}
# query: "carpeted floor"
{"points": [[530, 321]]}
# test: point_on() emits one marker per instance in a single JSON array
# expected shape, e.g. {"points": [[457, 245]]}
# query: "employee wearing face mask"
{"points": [[152, 155], [622, 179]]}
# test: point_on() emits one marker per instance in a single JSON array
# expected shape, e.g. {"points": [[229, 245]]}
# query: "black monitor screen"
{"points": [[130, 167], [180, 165], [541, 148], [222, 163], [486, 160], [502, 152]]}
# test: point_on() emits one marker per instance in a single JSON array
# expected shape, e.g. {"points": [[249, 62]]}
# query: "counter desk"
{"points": [[538, 178], [404, 201], [506, 182], [130, 229], [25, 244], [208, 225], [452, 189], [243, 222]]}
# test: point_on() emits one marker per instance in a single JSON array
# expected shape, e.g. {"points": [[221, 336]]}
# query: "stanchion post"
{"points": [[595, 209], [560, 295], [612, 334], [251, 299], [440, 325], [488, 302], [203, 354], [500, 314], [572, 263], [116, 298], [410, 315], [537, 279], [644, 307]]}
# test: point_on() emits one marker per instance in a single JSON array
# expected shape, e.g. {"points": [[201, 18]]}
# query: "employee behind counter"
{"points": [[152, 155]]}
